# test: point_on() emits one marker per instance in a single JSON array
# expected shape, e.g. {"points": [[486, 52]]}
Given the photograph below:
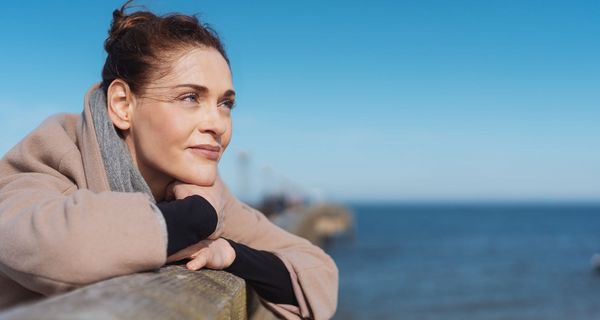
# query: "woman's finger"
{"points": [[199, 261], [198, 252], [188, 252], [181, 254]]}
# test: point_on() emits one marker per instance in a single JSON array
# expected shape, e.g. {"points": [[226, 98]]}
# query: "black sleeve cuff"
{"points": [[265, 272], [188, 220]]}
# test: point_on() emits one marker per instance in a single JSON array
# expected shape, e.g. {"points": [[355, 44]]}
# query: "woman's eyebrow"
{"points": [[201, 89], [228, 94]]}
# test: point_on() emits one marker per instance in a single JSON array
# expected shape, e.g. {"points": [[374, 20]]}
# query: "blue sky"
{"points": [[357, 100]]}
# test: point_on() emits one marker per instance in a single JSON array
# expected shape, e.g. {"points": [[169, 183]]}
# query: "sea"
{"points": [[469, 261]]}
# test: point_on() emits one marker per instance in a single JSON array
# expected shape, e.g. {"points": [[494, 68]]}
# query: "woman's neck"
{"points": [[156, 181]]}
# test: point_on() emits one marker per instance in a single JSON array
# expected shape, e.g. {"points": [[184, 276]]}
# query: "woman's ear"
{"points": [[120, 102]]}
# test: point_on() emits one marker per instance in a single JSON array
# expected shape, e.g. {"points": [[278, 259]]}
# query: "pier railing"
{"points": [[173, 292]]}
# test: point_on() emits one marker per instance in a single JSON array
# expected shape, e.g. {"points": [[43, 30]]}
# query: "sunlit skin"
{"points": [[165, 125]]}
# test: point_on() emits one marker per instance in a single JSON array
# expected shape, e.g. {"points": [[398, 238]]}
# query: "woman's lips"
{"points": [[208, 151]]}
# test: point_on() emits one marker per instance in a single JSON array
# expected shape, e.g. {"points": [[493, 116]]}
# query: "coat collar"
{"points": [[93, 166]]}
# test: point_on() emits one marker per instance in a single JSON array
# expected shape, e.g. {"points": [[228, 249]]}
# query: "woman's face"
{"points": [[181, 123]]}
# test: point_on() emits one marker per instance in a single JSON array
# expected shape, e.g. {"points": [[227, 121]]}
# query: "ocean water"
{"points": [[469, 262]]}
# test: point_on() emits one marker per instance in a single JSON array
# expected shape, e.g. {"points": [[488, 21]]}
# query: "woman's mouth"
{"points": [[210, 152]]}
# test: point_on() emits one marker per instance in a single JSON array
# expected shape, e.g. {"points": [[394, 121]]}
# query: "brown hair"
{"points": [[141, 44]]}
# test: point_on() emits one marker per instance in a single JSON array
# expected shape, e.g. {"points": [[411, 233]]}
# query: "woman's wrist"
{"points": [[265, 272], [188, 221], [214, 194]]}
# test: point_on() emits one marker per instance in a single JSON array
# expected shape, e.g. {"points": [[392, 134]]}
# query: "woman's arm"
{"points": [[188, 220], [54, 237], [266, 250], [192, 219], [265, 272], [313, 273]]}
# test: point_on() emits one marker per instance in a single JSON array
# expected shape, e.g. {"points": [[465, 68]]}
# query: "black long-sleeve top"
{"points": [[193, 219]]}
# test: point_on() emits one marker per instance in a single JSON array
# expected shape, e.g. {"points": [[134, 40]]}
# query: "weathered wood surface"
{"points": [[172, 292]]}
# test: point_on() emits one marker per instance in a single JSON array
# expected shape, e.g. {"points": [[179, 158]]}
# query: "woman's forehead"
{"points": [[203, 67]]}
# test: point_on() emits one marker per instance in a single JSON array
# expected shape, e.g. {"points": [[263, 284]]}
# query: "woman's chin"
{"points": [[202, 180]]}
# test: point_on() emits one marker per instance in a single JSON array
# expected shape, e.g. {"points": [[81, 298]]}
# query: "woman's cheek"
{"points": [[173, 130], [226, 139]]}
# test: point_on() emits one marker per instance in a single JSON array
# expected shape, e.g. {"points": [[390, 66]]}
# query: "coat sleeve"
{"points": [[314, 274], [55, 237]]}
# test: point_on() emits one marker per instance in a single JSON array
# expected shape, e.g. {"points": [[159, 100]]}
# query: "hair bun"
{"points": [[122, 23]]}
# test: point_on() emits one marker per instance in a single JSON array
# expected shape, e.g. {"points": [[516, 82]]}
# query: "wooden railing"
{"points": [[173, 292]]}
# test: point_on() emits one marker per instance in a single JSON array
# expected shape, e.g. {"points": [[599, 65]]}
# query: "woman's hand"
{"points": [[213, 194], [213, 254]]}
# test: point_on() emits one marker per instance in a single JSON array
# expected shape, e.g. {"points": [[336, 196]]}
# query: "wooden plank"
{"points": [[172, 292]]}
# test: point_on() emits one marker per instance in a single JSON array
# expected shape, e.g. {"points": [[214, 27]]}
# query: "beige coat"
{"points": [[61, 227]]}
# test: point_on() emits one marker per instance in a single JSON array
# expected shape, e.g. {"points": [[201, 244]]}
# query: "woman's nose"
{"points": [[212, 121]]}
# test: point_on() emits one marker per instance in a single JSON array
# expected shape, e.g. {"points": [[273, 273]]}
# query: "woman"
{"points": [[132, 182]]}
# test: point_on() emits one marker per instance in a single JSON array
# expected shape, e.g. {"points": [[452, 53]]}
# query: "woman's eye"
{"points": [[229, 104], [192, 98]]}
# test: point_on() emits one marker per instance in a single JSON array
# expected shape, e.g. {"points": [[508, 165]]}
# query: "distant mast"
{"points": [[244, 175]]}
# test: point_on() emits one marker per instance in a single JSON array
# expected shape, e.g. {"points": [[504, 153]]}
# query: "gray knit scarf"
{"points": [[122, 175]]}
